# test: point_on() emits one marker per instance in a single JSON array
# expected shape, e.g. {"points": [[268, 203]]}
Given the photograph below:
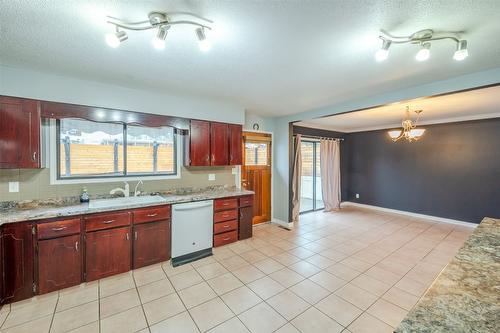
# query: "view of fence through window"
{"points": [[311, 197], [256, 153], [92, 149]]}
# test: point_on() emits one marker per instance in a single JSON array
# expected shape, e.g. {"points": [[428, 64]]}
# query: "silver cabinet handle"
{"points": [[108, 221], [226, 226], [127, 236], [76, 246], [58, 229], [152, 215], [34, 156], [227, 238], [135, 235]]}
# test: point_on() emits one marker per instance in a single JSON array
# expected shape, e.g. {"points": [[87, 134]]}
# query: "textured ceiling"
{"points": [[474, 104], [271, 57]]}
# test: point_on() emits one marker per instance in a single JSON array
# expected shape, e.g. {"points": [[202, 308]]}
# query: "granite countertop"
{"points": [[60, 208], [466, 295]]}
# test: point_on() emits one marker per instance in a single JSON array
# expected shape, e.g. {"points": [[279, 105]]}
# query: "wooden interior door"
{"points": [[256, 173]]}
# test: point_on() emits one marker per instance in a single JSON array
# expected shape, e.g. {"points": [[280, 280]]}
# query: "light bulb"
{"points": [[114, 39], [203, 43], [159, 40], [461, 53], [383, 52], [424, 53]]}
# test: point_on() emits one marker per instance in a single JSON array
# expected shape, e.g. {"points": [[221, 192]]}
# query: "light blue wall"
{"points": [[280, 139], [23, 82]]}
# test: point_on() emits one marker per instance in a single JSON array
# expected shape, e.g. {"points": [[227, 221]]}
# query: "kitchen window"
{"points": [[93, 150]]}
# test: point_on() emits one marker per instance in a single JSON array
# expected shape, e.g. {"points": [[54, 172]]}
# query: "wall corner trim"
{"points": [[284, 224], [402, 212]]}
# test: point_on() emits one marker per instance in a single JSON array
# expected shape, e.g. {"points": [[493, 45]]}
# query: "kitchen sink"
{"points": [[126, 201]]}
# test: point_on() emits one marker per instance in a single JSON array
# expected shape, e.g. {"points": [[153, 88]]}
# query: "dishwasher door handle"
{"points": [[192, 207]]}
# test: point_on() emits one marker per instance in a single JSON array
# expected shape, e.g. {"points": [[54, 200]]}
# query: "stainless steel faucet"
{"points": [[136, 192]]}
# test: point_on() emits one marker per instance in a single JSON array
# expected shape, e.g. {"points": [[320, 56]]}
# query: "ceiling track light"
{"points": [[162, 22], [422, 38]]}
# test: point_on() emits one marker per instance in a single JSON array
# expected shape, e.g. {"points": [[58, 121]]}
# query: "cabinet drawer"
{"points": [[151, 214], [221, 204], [106, 221], [225, 215], [58, 228], [225, 238], [225, 226], [246, 201]]}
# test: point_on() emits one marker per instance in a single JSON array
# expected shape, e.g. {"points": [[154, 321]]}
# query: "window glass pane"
{"points": [[90, 149], [306, 180], [319, 194], [150, 150], [256, 153]]}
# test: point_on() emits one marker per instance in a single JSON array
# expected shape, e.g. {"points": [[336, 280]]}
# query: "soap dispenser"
{"points": [[84, 197]]}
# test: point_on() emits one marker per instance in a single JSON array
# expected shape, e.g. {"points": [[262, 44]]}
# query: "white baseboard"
{"points": [[402, 212], [284, 224]]}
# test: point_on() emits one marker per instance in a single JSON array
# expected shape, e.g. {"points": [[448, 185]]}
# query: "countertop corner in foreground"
{"points": [[466, 295]]}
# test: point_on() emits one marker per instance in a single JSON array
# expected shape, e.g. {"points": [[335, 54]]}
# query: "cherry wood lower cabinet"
{"points": [[151, 243], [59, 263], [18, 260], [107, 252], [232, 219], [246, 217]]}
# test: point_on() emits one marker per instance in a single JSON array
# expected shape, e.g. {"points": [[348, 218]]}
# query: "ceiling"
{"points": [[474, 104], [271, 57]]}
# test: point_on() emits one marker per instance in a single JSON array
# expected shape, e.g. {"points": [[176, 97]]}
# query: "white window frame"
{"points": [[51, 150]]}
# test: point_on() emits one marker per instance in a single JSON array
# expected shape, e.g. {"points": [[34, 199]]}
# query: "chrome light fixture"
{"points": [[409, 131], [423, 38], [162, 22]]}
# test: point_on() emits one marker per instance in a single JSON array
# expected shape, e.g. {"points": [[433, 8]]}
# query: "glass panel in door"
{"points": [[318, 204], [307, 177]]}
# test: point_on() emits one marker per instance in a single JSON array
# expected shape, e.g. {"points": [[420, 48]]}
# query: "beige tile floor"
{"points": [[353, 271]]}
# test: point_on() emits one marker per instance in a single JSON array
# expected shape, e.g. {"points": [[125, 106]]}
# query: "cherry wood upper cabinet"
{"points": [[151, 243], [199, 144], [18, 253], [235, 139], [108, 252], [19, 133], [219, 144], [59, 263]]}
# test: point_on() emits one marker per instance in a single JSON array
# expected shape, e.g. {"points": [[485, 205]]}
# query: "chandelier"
{"points": [[161, 22], [410, 131]]}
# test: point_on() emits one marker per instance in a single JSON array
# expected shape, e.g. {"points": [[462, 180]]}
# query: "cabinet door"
{"points": [[17, 243], [19, 133], [199, 143], [151, 243], [107, 252], [59, 263], [246, 216], [235, 138], [219, 144]]}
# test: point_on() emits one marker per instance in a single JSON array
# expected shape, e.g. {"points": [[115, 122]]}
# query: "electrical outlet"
{"points": [[13, 186], [357, 195], [211, 176], [233, 171]]}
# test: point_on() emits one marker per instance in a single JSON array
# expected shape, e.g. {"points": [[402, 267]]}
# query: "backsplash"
{"points": [[35, 184]]}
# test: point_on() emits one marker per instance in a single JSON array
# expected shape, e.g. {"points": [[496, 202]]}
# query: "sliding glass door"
{"points": [[310, 183]]}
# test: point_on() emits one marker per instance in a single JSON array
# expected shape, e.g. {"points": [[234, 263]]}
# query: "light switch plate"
{"points": [[13, 187], [233, 171], [211, 176], [357, 195]]}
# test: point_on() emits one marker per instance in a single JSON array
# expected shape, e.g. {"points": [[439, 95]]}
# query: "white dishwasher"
{"points": [[192, 231]]}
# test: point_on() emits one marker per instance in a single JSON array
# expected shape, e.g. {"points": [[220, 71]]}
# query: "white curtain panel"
{"points": [[330, 173], [297, 173]]}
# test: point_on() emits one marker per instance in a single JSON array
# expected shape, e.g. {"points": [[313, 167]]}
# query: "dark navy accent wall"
{"points": [[452, 172]]}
